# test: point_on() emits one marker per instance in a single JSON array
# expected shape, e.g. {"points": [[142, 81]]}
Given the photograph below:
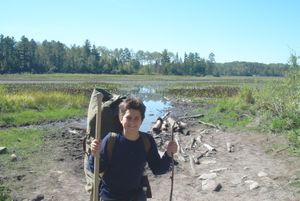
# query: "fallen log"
{"points": [[202, 155], [210, 148], [193, 143], [157, 126], [164, 126], [171, 121], [165, 115], [192, 116], [192, 164], [182, 125], [208, 124]]}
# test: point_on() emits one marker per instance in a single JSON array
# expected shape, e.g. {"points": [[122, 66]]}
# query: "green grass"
{"points": [[34, 106], [22, 142], [225, 112], [4, 193], [35, 117], [296, 181]]}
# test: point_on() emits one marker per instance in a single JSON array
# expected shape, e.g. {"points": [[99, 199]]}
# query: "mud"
{"points": [[252, 171]]}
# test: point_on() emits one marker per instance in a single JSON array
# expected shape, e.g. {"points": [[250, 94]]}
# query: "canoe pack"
{"points": [[109, 123]]}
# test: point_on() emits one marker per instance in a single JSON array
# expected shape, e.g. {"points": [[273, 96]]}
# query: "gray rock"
{"points": [[262, 174], [39, 197], [13, 157], [209, 185], [218, 188], [208, 176], [252, 184], [218, 170], [3, 150]]}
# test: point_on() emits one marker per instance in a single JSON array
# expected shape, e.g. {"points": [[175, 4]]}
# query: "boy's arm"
{"points": [[103, 157], [157, 164]]}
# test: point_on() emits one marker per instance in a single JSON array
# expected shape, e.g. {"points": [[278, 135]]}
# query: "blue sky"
{"points": [[264, 31]]}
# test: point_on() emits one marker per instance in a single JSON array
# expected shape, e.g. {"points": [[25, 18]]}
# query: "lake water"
{"points": [[156, 106]]}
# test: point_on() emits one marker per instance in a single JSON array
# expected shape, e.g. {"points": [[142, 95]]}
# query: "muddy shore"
{"points": [[251, 171]]}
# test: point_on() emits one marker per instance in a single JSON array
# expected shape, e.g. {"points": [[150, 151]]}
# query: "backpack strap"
{"points": [[111, 144], [147, 143]]}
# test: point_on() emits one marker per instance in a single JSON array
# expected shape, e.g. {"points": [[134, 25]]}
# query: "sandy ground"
{"points": [[252, 171]]}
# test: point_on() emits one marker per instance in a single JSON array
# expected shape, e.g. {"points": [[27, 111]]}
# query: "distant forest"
{"points": [[30, 56]]}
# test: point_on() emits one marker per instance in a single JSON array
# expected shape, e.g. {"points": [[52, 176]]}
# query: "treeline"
{"points": [[30, 56]]}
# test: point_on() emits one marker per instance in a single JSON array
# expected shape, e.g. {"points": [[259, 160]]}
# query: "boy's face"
{"points": [[131, 121]]}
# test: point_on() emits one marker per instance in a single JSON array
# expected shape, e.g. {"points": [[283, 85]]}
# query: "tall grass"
{"points": [[229, 111], [276, 105], [23, 107]]}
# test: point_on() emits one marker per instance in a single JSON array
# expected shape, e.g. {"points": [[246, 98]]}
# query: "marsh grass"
{"points": [[227, 112], [34, 106]]}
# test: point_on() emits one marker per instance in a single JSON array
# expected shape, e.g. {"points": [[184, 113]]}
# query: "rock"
{"points": [[262, 174], [208, 162], [38, 197], [3, 150], [13, 157], [230, 147], [208, 176], [253, 184], [218, 188], [208, 184], [211, 185], [218, 170]]}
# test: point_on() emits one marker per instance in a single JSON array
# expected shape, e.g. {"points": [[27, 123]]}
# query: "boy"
{"points": [[122, 179]]}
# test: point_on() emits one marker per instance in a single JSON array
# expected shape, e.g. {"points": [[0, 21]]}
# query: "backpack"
{"points": [[147, 145], [109, 123]]}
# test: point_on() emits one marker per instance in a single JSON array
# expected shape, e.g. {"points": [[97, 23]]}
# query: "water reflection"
{"points": [[155, 103]]}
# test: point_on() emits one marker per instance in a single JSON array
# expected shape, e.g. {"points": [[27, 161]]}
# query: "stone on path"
{"points": [[253, 184], [208, 162], [208, 176], [262, 174], [13, 157], [2, 150], [211, 185], [38, 197], [218, 170]]}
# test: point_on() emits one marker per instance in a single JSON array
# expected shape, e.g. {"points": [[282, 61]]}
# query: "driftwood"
{"points": [[210, 148], [202, 155], [208, 124], [193, 143], [171, 121], [164, 126], [181, 153], [157, 126], [192, 164], [165, 115], [192, 116], [181, 125]]}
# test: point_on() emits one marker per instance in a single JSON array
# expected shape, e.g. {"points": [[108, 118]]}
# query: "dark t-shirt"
{"points": [[123, 173]]}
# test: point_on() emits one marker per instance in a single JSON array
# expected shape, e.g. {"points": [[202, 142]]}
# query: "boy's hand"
{"points": [[95, 147], [172, 148]]}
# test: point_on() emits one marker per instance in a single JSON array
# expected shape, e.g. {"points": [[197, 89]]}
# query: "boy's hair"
{"points": [[132, 103]]}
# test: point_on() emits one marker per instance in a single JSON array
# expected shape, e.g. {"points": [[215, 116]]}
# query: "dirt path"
{"points": [[57, 173]]}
